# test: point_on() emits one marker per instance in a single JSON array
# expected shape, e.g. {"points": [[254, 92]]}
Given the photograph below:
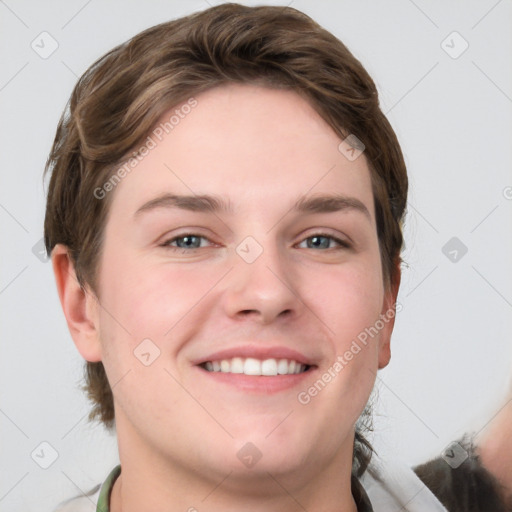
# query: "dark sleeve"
{"points": [[468, 487]]}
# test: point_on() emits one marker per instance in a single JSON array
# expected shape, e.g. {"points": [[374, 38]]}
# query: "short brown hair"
{"points": [[118, 100]]}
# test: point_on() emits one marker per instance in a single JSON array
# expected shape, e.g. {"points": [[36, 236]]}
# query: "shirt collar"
{"points": [[360, 497], [106, 489]]}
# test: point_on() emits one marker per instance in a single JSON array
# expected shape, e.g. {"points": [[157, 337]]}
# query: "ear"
{"points": [[80, 305], [388, 314]]}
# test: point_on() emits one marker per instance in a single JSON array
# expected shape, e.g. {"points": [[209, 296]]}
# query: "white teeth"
{"points": [[269, 367], [237, 365], [252, 366], [282, 367]]}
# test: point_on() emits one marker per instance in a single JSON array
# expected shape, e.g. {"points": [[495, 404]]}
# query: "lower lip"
{"points": [[258, 383]]}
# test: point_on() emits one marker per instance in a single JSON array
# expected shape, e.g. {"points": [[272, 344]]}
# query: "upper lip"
{"points": [[256, 352]]}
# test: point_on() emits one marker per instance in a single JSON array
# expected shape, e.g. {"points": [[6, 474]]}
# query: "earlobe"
{"points": [[80, 306], [388, 315]]}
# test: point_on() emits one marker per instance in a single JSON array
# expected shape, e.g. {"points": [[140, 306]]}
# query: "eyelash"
{"points": [[167, 244]]}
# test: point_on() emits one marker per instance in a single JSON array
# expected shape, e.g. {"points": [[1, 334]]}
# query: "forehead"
{"points": [[252, 145]]}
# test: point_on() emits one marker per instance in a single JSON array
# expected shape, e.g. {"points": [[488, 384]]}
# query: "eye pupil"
{"points": [[187, 241], [324, 244]]}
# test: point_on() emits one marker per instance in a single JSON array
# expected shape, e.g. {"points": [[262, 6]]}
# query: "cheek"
{"points": [[350, 300], [350, 306], [151, 300], [349, 309]]}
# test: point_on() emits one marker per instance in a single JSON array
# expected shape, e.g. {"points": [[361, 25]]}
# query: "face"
{"points": [[269, 269]]}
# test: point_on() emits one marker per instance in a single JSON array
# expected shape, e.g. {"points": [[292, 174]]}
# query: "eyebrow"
{"points": [[214, 204]]}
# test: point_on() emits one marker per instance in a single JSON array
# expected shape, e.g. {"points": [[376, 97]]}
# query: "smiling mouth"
{"points": [[256, 367]]}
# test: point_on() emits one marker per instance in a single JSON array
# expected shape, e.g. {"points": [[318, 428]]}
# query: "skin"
{"points": [[179, 428]]}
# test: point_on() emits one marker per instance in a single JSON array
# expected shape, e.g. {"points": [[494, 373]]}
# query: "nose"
{"points": [[262, 290]]}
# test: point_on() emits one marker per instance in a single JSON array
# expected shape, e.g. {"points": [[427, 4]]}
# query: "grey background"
{"points": [[452, 355]]}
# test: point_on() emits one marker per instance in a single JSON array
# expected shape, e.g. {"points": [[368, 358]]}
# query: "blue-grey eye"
{"points": [[323, 242], [188, 241]]}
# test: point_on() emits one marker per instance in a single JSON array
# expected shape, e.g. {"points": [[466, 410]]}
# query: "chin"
{"points": [[260, 453]]}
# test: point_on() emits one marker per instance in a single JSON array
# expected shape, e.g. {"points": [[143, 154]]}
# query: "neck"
{"points": [[150, 481]]}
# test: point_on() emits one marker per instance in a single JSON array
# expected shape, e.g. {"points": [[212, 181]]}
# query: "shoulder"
{"points": [[462, 482]]}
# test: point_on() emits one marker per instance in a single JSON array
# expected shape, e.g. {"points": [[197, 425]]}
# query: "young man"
{"points": [[224, 218]]}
